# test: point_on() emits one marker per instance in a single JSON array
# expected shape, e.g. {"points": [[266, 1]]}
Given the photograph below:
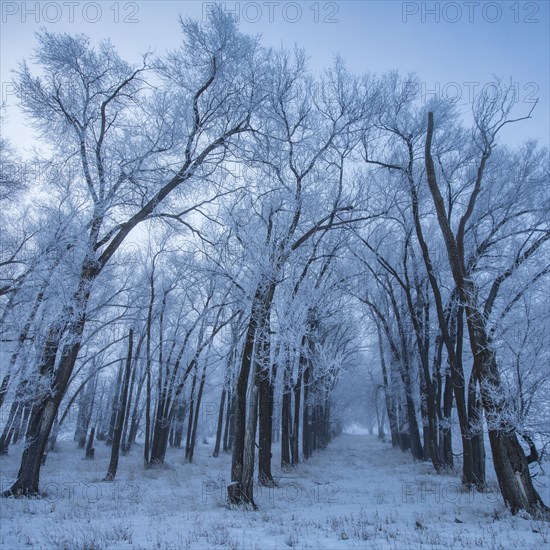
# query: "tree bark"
{"points": [[286, 420], [229, 435], [263, 350], [197, 415], [294, 456], [306, 420], [122, 402], [217, 445], [191, 416], [238, 493], [52, 386], [249, 447], [90, 451]]}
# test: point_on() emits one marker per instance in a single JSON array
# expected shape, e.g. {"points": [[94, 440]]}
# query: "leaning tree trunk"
{"points": [[510, 462], [17, 417], [4, 388], [12, 424], [42, 417], [52, 386]]}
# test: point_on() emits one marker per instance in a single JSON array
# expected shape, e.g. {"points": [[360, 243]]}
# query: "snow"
{"points": [[358, 493]]}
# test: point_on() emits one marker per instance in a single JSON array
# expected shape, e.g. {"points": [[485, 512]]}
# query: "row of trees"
{"points": [[221, 220], [489, 211]]}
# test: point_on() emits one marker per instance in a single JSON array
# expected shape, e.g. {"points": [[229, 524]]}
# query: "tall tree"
{"points": [[87, 104]]}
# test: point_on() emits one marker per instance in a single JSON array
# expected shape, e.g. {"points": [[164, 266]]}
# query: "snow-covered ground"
{"points": [[359, 493]]}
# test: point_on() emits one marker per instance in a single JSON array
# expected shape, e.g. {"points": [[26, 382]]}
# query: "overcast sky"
{"points": [[456, 48]]}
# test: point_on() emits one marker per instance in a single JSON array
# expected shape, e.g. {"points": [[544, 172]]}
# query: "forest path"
{"points": [[358, 493]]}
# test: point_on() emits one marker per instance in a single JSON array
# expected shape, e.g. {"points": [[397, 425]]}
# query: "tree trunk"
{"points": [[84, 413], [122, 402], [263, 351], [125, 447], [306, 420], [459, 384], [426, 432], [50, 392], [249, 448], [414, 434], [220, 425], [4, 388], [295, 458], [52, 440], [148, 366], [229, 422], [286, 420], [21, 423], [235, 489], [179, 422], [18, 412], [475, 426], [115, 409], [446, 435], [394, 431], [160, 431], [10, 427], [191, 417], [261, 304], [197, 415], [90, 451]]}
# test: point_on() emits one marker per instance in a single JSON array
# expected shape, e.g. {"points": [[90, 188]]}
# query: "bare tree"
{"points": [[509, 458], [87, 103]]}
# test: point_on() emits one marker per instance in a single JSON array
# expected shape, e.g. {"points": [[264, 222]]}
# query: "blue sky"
{"points": [[456, 48]]}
